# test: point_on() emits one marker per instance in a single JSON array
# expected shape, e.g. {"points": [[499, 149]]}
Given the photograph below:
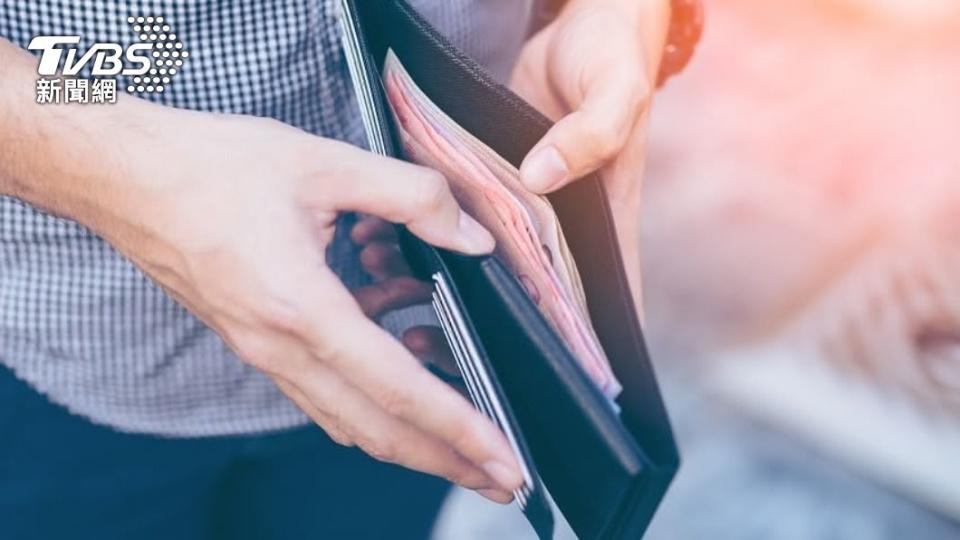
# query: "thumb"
{"points": [[591, 135]]}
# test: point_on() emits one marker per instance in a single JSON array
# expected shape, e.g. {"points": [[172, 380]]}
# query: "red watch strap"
{"points": [[686, 27]]}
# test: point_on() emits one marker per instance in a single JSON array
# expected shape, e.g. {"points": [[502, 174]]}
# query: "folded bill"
{"points": [[529, 238]]}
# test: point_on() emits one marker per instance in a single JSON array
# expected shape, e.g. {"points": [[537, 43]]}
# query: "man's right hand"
{"points": [[232, 216]]}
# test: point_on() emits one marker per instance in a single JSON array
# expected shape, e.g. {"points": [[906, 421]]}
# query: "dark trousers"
{"points": [[64, 477]]}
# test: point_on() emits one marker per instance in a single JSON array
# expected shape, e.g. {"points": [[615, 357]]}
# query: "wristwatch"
{"points": [[686, 27]]}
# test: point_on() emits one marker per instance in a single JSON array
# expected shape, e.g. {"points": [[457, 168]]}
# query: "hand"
{"points": [[232, 216], [593, 70]]}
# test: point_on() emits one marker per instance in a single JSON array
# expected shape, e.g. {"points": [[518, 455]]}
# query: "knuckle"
{"points": [[466, 435], [432, 192], [395, 402], [282, 315], [324, 343], [456, 478], [380, 450], [340, 437], [253, 348], [604, 139], [327, 349], [462, 476], [336, 428]]}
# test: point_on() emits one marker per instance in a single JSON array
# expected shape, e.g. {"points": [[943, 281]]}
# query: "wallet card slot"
{"points": [[478, 379], [455, 340], [360, 70], [473, 389], [457, 351], [476, 395], [479, 396], [456, 345]]}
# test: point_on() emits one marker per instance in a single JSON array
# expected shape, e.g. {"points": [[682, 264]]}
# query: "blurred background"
{"points": [[802, 276]]}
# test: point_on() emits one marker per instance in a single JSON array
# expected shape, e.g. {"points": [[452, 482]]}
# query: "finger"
{"points": [[429, 345], [351, 418], [373, 229], [496, 496], [383, 436], [373, 361], [270, 345], [591, 135], [321, 419], [394, 293], [382, 260], [408, 391], [403, 193], [329, 319]]}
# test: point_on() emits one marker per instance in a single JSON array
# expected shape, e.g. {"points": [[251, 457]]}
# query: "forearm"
{"points": [[66, 159]]}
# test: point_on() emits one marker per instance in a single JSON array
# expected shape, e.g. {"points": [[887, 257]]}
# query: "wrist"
{"points": [[75, 161], [66, 159]]}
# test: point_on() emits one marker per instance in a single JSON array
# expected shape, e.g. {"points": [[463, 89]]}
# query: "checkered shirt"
{"points": [[84, 326]]}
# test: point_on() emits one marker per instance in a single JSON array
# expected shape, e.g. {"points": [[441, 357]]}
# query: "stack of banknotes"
{"points": [[529, 239]]}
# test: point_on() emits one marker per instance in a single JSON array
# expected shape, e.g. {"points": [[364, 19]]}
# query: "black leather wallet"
{"points": [[605, 469]]}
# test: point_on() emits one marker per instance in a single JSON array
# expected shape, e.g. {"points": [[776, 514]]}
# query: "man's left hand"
{"points": [[593, 70]]}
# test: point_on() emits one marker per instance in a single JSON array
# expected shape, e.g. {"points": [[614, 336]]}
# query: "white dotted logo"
{"points": [[167, 54]]}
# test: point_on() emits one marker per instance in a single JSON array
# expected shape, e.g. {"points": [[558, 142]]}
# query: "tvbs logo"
{"points": [[107, 57], [149, 64]]}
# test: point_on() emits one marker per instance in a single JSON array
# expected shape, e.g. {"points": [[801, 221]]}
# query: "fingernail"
{"points": [[476, 238], [544, 170], [503, 475], [495, 495]]}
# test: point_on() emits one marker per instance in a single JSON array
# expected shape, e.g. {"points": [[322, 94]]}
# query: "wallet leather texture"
{"points": [[606, 471]]}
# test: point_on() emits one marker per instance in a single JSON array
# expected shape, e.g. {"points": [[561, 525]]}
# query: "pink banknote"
{"points": [[529, 239]]}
